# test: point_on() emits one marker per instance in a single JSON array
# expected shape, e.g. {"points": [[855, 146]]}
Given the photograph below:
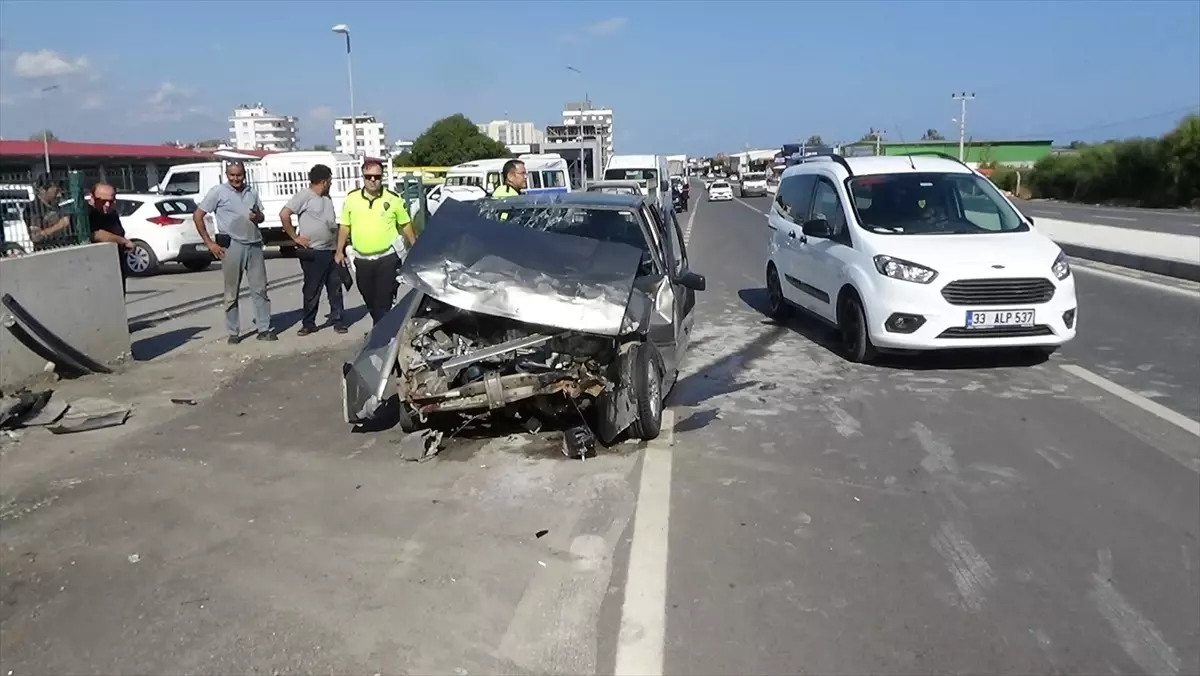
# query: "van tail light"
{"points": [[165, 220]]}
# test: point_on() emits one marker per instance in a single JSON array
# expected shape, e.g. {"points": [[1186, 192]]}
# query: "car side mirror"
{"points": [[692, 280], [818, 227], [1030, 219]]}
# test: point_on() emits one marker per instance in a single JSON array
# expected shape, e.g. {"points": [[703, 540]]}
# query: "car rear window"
{"points": [[175, 207], [127, 207]]}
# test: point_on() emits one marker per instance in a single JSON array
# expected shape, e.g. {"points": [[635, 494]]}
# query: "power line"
{"points": [[1109, 125]]}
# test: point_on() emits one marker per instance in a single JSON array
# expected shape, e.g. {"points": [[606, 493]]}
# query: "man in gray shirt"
{"points": [[238, 211], [315, 236]]}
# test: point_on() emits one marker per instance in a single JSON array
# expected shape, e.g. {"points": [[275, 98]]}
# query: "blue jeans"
{"points": [[245, 260]]}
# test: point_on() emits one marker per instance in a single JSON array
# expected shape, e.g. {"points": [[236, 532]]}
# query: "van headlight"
{"points": [[1061, 267], [905, 271]]}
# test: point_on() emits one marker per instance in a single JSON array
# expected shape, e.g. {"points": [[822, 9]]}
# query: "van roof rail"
{"points": [[938, 153], [828, 156]]}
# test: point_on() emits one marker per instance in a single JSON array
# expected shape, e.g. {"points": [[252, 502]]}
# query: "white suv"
{"points": [[914, 252]]}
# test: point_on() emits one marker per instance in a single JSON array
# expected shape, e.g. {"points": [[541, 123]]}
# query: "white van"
{"points": [[276, 177], [545, 173], [649, 170]]}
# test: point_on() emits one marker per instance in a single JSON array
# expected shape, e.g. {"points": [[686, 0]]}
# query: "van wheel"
{"points": [[856, 340], [777, 305], [647, 387], [140, 261]]}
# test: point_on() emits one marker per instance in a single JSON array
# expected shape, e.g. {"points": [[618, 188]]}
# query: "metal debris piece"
{"points": [[89, 414], [50, 413], [183, 402], [21, 406], [540, 534], [579, 442], [420, 445]]}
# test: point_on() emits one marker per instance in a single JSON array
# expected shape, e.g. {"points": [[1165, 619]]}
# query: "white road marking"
{"points": [[1178, 419], [748, 205], [1139, 280], [687, 231], [1043, 212], [1136, 634], [642, 639], [1116, 218]]}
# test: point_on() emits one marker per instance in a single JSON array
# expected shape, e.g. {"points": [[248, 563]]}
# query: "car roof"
{"points": [[613, 183], [600, 200], [870, 166]]}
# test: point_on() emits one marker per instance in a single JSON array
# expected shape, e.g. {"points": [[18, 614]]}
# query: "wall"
{"points": [[76, 293]]}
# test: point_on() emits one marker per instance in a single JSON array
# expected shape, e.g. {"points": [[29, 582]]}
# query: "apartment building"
{"points": [[511, 133], [256, 128], [584, 113], [372, 136]]}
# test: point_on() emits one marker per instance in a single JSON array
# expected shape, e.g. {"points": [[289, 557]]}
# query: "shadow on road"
{"points": [[156, 346], [826, 336]]}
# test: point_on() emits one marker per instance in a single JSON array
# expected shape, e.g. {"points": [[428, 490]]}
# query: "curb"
{"points": [[144, 320], [1160, 266]]}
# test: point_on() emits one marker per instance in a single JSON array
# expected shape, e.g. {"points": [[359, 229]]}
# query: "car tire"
{"points": [[647, 387], [140, 261], [777, 305], [855, 338], [197, 264]]}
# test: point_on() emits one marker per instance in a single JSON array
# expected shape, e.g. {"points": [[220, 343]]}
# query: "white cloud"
{"points": [[48, 63], [169, 103], [92, 102], [321, 114], [594, 31], [607, 27]]}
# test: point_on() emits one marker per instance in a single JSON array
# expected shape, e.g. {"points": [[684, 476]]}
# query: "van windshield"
{"points": [[648, 175], [931, 204]]}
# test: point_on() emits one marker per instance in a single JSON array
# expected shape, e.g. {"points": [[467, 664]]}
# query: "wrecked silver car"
{"points": [[578, 304]]}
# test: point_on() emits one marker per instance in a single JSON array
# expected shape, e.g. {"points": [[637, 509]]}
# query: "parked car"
{"points": [[914, 253], [616, 187], [720, 191], [161, 229], [539, 305]]}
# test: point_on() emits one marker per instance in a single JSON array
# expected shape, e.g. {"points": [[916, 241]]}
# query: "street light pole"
{"points": [[345, 30], [962, 122], [582, 152], [46, 134]]}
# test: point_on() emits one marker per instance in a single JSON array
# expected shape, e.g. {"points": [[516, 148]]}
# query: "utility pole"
{"points": [[46, 133], [582, 152], [345, 30], [962, 122]]}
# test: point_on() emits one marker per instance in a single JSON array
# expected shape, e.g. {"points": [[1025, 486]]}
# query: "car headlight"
{"points": [[906, 271], [1061, 267]]}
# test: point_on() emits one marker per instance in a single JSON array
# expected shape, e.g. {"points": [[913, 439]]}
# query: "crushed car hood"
{"points": [[505, 270]]}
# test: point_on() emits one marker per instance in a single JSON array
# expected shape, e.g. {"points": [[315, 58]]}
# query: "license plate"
{"points": [[990, 319]]}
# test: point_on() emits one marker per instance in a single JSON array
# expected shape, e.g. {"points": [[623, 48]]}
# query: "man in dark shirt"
{"points": [[106, 226], [48, 223]]}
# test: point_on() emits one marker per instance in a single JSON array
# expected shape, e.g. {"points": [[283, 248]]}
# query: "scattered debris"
{"points": [[49, 414], [542, 564], [540, 534], [20, 406], [420, 445], [89, 414], [183, 402], [133, 558], [579, 442]]}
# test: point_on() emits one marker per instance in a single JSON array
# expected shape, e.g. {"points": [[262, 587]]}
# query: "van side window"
{"points": [[493, 180], [827, 205], [553, 179], [533, 179], [795, 196], [183, 183]]}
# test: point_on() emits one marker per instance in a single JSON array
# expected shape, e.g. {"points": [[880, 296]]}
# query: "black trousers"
{"points": [[319, 273], [377, 283]]}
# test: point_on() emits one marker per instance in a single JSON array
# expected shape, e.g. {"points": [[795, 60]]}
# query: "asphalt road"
{"points": [[931, 515], [1173, 221]]}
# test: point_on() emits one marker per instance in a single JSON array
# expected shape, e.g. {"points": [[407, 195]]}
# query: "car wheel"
{"points": [[140, 261], [647, 387], [196, 264], [777, 305], [856, 340]]}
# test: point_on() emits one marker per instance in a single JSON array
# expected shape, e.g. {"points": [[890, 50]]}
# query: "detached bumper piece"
{"points": [[579, 442]]}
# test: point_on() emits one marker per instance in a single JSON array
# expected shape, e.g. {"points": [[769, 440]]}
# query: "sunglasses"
{"points": [[102, 200], [373, 177]]}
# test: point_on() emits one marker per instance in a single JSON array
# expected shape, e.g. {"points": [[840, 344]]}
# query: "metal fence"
{"points": [[27, 217], [135, 178]]}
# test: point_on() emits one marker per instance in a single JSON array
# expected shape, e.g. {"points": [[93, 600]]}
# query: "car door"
{"points": [[788, 212], [685, 298], [663, 324], [822, 257]]}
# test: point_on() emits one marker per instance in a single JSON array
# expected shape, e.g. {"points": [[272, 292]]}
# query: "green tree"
{"points": [[45, 133], [814, 140], [453, 140], [932, 135], [404, 159], [871, 135]]}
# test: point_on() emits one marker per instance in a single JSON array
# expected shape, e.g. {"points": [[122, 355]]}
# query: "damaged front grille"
{"points": [[453, 360]]}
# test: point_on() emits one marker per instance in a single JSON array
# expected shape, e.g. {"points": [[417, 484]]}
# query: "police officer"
{"points": [[373, 217], [514, 180]]}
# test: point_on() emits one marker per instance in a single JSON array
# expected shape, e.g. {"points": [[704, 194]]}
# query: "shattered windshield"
{"points": [[620, 226], [931, 204]]}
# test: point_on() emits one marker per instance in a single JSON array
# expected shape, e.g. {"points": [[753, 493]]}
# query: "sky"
{"points": [[682, 76]]}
